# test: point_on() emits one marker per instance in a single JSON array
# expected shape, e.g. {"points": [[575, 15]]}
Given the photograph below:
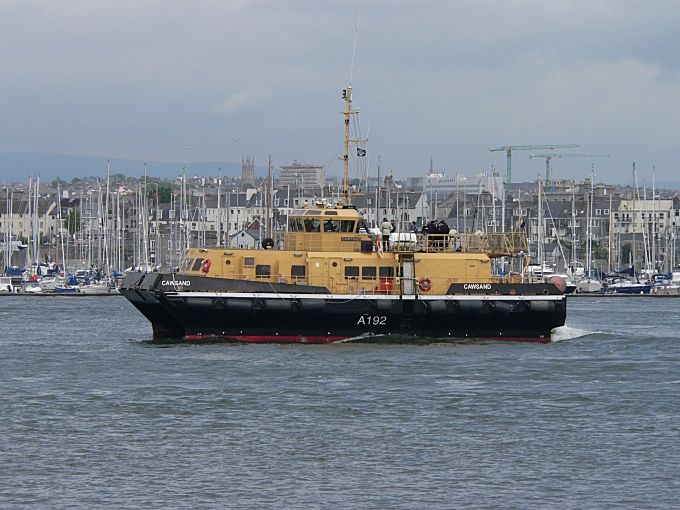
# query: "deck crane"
{"points": [[509, 148], [549, 156]]}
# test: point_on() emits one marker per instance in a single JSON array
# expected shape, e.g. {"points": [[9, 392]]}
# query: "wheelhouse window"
{"points": [[331, 226], [187, 264], [295, 225], [312, 225], [263, 271], [197, 264], [347, 225]]}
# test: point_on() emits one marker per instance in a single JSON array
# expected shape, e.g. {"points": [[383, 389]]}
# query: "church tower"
{"points": [[248, 171]]}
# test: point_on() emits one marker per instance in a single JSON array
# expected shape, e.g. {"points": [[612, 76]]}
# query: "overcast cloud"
{"points": [[218, 80]]}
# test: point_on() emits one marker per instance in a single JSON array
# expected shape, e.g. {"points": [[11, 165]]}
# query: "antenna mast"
{"points": [[347, 96]]}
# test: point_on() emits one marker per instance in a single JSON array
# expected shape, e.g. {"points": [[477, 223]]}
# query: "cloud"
{"points": [[248, 97], [433, 78]]}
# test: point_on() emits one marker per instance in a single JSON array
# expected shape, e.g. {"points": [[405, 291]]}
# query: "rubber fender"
{"points": [[542, 306], [240, 305], [278, 305], [438, 306], [476, 306]]}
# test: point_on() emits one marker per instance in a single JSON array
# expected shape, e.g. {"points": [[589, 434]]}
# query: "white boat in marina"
{"points": [[98, 288], [588, 286], [6, 285], [31, 287]]}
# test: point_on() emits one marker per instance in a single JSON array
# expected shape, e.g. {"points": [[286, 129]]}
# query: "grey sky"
{"points": [[218, 79]]}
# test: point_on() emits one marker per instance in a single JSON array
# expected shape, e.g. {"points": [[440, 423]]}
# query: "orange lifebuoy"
{"points": [[205, 267], [425, 284]]}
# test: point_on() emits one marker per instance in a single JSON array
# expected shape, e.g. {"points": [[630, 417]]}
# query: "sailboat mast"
{"points": [[268, 201], [347, 96]]}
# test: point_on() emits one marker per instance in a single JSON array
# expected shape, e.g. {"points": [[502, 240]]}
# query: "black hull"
{"points": [[315, 316]]}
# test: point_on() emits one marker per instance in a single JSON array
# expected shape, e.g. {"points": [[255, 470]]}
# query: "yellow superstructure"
{"points": [[328, 247]]}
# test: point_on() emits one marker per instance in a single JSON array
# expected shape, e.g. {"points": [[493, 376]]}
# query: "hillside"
{"points": [[19, 166]]}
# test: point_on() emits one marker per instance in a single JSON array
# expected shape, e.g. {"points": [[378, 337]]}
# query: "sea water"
{"points": [[94, 415]]}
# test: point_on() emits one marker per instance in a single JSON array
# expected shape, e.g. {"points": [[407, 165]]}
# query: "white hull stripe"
{"points": [[350, 297]]}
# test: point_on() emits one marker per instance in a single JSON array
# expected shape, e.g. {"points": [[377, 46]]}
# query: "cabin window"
{"points": [[197, 265], [249, 261], [187, 264], [346, 225], [312, 225], [331, 213], [263, 271], [351, 271], [297, 271], [331, 226], [368, 273], [386, 272]]}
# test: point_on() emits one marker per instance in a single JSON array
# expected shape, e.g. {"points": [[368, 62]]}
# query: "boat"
{"points": [[334, 281], [621, 286], [31, 286], [588, 286], [667, 285], [6, 284]]}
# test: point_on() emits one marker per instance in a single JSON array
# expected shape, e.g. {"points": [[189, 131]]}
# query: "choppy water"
{"points": [[94, 416]]}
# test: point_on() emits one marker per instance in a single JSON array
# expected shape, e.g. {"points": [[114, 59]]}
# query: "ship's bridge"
{"points": [[326, 228]]}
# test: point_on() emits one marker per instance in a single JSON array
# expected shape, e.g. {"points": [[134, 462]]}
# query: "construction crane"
{"points": [[550, 156], [509, 148]]}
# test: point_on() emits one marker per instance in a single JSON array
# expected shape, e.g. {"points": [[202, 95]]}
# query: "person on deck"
{"points": [[386, 229]]}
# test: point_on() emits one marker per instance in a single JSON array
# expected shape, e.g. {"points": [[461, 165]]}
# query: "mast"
{"points": [[539, 247], [347, 96], [267, 197], [590, 223], [31, 235], [611, 233], [573, 222], [219, 207]]}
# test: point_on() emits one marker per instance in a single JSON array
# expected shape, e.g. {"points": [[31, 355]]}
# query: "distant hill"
{"points": [[19, 166]]}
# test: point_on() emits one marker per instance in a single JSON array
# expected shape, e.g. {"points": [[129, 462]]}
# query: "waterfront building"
{"points": [[301, 176]]}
